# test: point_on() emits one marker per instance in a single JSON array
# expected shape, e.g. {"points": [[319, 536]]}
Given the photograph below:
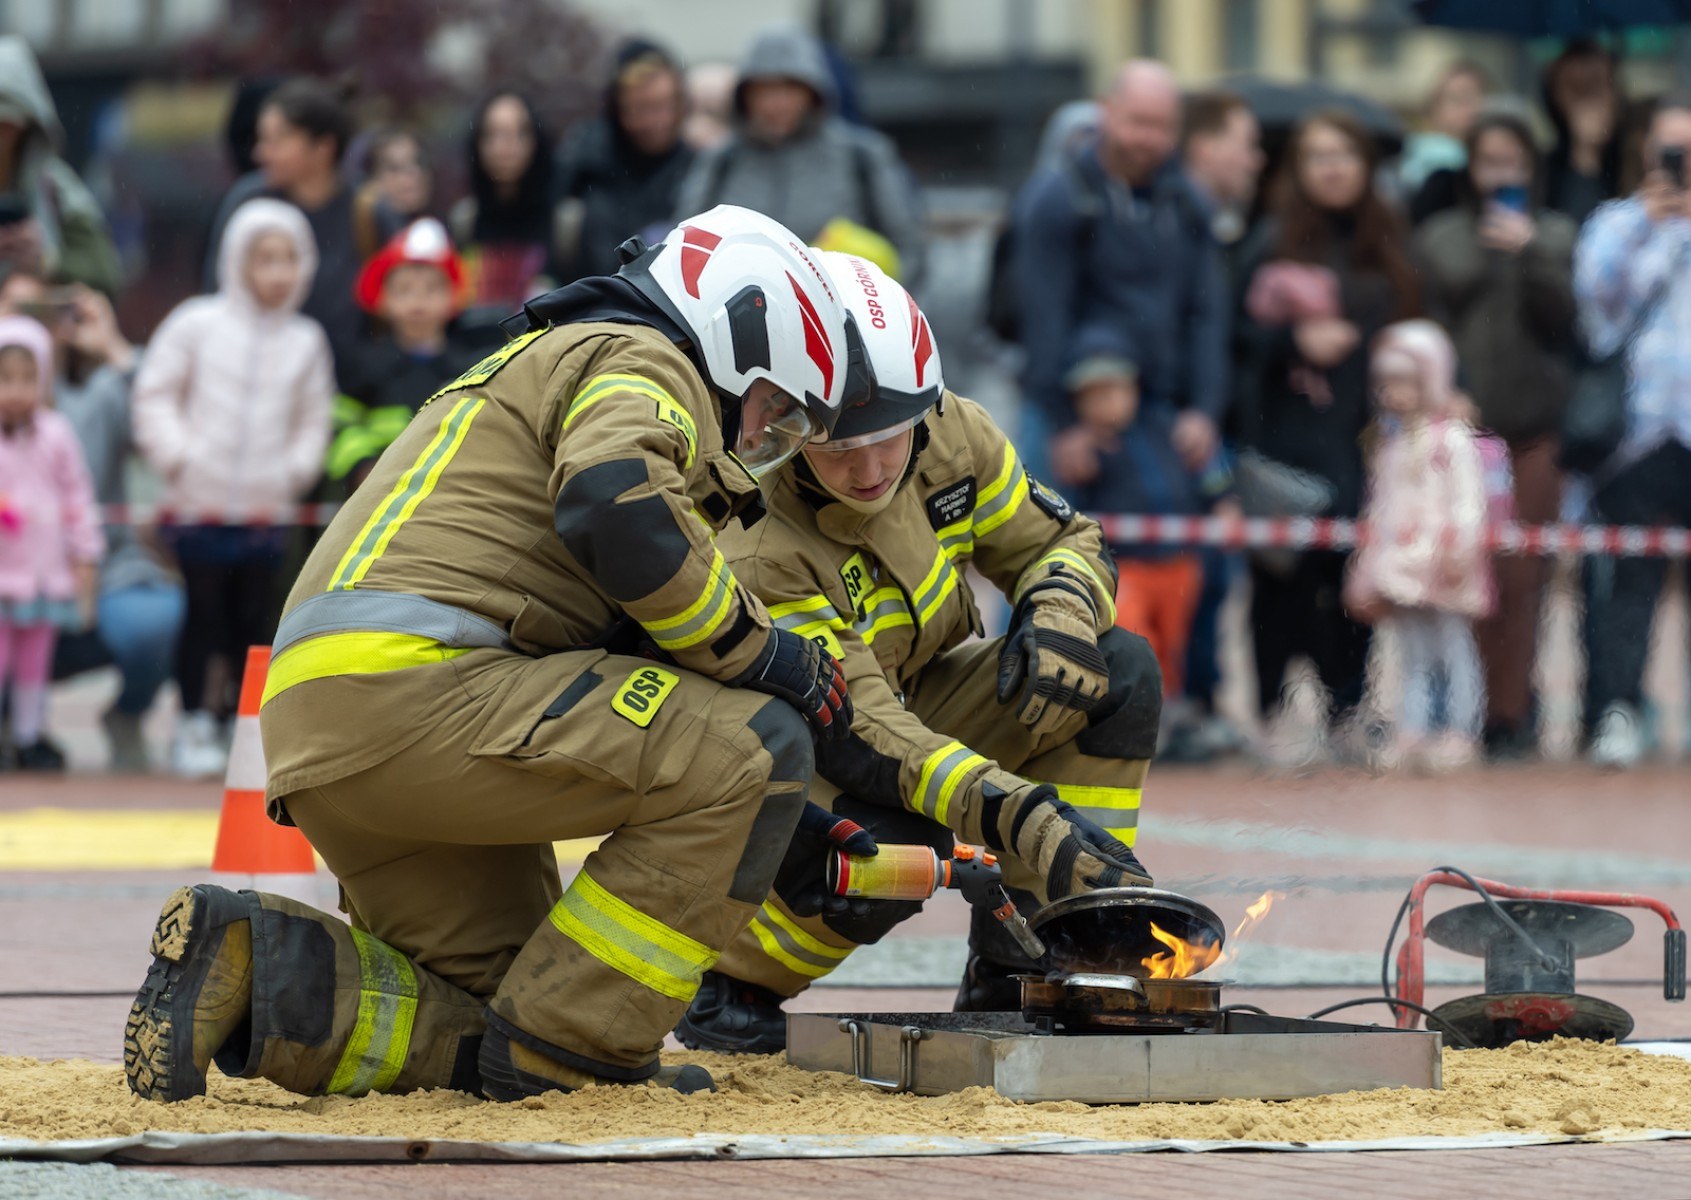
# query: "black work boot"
{"points": [[197, 993], [513, 1067], [732, 1017], [989, 987], [995, 959]]}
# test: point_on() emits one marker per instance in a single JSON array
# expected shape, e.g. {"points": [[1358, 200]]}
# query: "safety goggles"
{"points": [[772, 430]]}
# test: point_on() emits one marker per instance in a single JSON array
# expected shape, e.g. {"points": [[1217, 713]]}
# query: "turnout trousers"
{"points": [[458, 917], [1099, 767]]}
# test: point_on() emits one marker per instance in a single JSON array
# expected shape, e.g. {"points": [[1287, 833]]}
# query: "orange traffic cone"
{"points": [[249, 843]]}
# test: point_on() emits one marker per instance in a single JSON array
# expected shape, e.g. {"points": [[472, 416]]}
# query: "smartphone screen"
{"points": [[1513, 197], [1673, 163]]}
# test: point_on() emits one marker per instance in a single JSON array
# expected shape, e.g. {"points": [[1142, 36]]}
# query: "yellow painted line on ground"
{"points": [[128, 839]]}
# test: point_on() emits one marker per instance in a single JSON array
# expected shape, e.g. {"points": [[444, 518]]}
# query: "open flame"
{"points": [[1254, 913], [1257, 911], [1183, 959], [1187, 958]]}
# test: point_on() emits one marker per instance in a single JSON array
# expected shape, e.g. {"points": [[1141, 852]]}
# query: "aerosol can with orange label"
{"points": [[905, 872]]}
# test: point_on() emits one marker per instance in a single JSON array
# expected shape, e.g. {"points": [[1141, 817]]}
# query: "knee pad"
{"points": [[1125, 724], [786, 736]]}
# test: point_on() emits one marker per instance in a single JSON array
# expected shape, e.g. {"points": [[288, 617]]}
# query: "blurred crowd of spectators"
{"points": [[1205, 331], [1331, 329]]}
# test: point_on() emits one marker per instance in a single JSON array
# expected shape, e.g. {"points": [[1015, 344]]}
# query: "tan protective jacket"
{"points": [[886, 593], [574, 476]]}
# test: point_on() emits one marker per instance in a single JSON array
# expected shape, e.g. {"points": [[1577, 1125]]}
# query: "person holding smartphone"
{"points": [[1632, 277], [1497, 270]]}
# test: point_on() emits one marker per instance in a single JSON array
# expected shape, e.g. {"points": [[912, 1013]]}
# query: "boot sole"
{"points": [[150, 1062]]}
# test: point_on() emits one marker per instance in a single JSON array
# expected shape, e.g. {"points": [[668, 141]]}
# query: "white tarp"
{"points": [[211, 1149]]}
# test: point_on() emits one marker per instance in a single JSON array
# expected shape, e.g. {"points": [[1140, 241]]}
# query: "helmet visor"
{"points": [[773, 428], [838, 445]]}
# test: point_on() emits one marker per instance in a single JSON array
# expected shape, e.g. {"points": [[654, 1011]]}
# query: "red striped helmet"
{"points": [[757, 306], [902, 361]]}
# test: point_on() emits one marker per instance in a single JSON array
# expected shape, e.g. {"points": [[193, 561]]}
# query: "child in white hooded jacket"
{"points": [[232, 408]]}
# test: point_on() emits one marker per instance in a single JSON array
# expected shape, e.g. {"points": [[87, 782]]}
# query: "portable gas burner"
{"points": [[1530, 940], [1101, 950], [1113, 1018]]}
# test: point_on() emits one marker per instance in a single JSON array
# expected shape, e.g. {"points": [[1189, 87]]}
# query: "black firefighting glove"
{"points": [[1051, 665], [807, 677], [1066, 850], [802, 880]]}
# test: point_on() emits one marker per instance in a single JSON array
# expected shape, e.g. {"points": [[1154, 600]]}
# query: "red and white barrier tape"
{"points": [[1323, 533], [315, 515], [1233, 533]]}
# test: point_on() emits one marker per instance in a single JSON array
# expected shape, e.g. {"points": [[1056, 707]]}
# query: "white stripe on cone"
{"points": [[246, 771]]}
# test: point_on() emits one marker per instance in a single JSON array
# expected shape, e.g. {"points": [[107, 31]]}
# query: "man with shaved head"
{"points": [[1124, 316]]}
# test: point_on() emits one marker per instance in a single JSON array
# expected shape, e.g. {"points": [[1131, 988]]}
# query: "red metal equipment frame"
{"points": [[1412, 955]]}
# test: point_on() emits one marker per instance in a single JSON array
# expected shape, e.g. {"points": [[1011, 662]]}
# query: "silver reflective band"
{"points": [[389, 612]]}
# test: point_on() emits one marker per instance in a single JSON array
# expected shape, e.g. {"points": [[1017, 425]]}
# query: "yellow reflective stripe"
{"points": [[942, 774], [884, 608], [939, 583], [810, 604], [630, 942], [812, 617], [1003, 511], [700, 619], [1001, 481], [490, 366], [770, 940], [957, 538], [1113, 809], [387, 1012], [794, 947], [813, 629], [357, 653], [412, 488], [954, 780], [881, 624], [600, 386], [807, 941], [1079, 562]]}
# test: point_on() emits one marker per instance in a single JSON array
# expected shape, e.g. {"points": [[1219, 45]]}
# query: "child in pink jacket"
{"points": [[1423, 571], [50, 539], [231, 406]]}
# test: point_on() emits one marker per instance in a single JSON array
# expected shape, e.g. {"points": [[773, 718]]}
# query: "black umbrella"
{"points": [[1551, 18], [1280, 105]]}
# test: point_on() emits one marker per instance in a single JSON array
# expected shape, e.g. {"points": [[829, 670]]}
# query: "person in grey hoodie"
{"points": [[49, 221], [793, 158]]}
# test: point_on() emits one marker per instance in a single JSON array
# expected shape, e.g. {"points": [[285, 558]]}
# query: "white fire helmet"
{"points": [[902, 360], [757, 306]]}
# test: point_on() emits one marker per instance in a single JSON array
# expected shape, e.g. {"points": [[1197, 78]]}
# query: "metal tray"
{"points": [[1248, 1057]]}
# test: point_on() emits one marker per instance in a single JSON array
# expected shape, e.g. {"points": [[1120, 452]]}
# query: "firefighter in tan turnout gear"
{"points": [[1035, 745], [454, 687]]}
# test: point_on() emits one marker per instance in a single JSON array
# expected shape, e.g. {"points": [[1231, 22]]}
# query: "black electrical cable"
{"points": [[1549, 963], [1449, 1029], [1250, 1008]]}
